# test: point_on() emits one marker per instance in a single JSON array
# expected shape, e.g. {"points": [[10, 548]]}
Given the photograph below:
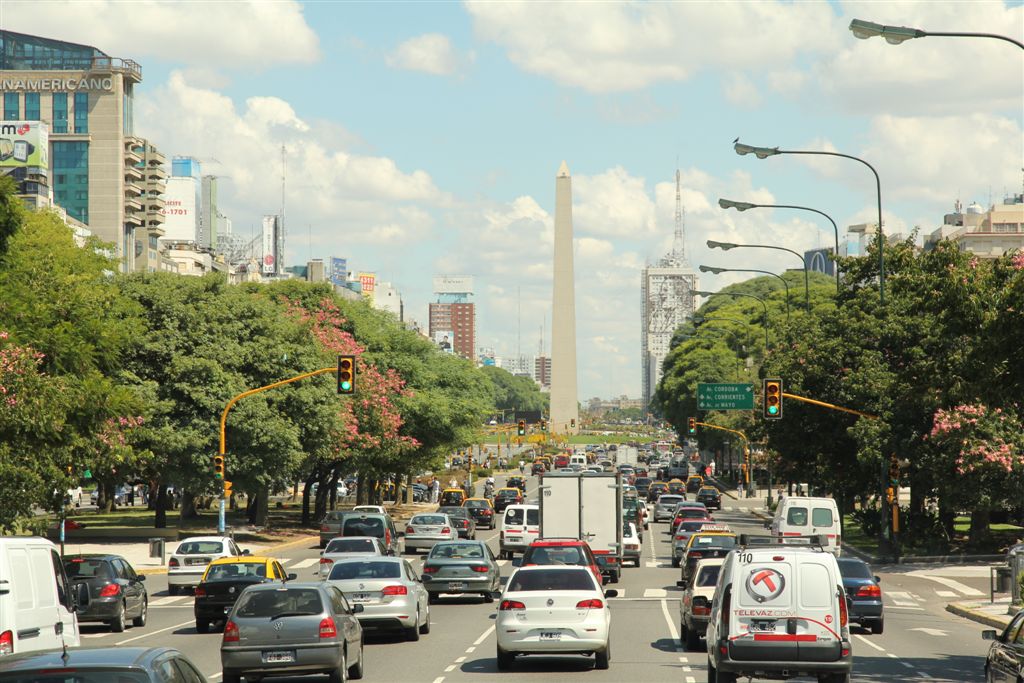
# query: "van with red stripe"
{"points": [[805, 516], [779, 612]]}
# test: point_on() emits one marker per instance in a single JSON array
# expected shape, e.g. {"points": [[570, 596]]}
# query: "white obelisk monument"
{"points": [[565, 417]]}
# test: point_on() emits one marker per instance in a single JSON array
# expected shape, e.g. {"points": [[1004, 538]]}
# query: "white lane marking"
{"points": [[922, 675], [484, 636], [160, 602], [907, 664], [865, 640], [914, 609], [930, 631], [898, 594], [946, 594], [449, 669], [671, 624], [217, 675], [691, 679], [687, 668], [460, 660], [470, 650], [955, 585], [439, 679], [655, 592], [96, 635], [622, 592], [891, 655], [652, 564], [308, 562], [190, 622], [902, 603]]}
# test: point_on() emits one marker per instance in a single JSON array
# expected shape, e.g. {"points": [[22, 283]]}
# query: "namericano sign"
{"points": [[57, 84]]}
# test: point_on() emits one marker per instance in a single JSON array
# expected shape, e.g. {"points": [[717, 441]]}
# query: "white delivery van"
{"points": [[578, 459], [37, 609], [587, 506], [779, 612], [805, 516], [519, 528]]}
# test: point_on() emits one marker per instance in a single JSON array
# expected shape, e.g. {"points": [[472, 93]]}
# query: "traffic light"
{"points": [[218, 466], [543, 425], [522, 428], [572, 423], [890, 494], [772, 399], [227, 489], [691, 426], [346, 374], [894, 472]]}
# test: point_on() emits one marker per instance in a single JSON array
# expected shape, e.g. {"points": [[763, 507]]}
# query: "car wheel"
{"points": [[231, 677], [602, 657], [141, 619], [413, 632], [355, 672], [675, 561], [202, 626], [172, 589], [339, 675], [425, 627], [488, 596], [693, 641], [505, 660], [117, 624], [432, 598], [878, 626], [716, 676]]}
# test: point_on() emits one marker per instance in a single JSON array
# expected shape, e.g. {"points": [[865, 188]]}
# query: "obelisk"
{"points": [[565, 418]]}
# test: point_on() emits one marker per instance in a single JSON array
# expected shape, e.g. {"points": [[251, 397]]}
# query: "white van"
{"points": [[37, 609], [779, 611], [578, 459], [805, 516], [519, 528]]}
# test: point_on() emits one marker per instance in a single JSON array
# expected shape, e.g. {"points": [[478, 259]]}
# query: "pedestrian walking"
{"points": [[435, 490], [522, 467]]}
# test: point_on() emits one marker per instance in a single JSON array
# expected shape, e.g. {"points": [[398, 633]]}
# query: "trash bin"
{"points": [[1003, 577], [156, 548]]}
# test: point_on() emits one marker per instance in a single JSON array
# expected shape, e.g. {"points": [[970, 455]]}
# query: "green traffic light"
{"points": [[774, 410], [345, 386]]}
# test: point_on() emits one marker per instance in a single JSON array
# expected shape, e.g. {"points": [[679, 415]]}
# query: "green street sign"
{"points": [[725, 396]]}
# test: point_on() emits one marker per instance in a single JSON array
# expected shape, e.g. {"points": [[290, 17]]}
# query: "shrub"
{"points": [[482, 472]]}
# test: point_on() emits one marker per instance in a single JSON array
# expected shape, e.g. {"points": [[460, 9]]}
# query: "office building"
{"points": [[452, 316], [986, 234], [387, 298], [100, 172], [542, 372]]}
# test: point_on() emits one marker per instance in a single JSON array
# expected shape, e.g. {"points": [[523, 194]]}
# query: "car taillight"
{"points": [[200, 592], [446, 530], [387, 537], [6, 643], [409, 530], [324, 560], [394, 590], [589, 604], [701, 606], [230, 632], [695, 554], [510, 604], [429, 570], [173, 562], [110, 590], [479, 569], [488, 513], [843, 613], [327, 628], [323, 527], [869, 591]]}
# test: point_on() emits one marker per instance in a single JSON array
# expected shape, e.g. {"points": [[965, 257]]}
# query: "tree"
{"points": [[514, 393]]}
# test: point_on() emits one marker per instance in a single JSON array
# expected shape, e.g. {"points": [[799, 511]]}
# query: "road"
{"points": [[921, 642]]}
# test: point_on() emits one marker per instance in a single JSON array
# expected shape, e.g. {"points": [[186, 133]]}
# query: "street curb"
{"points": [[310, 538], [978, 616]]}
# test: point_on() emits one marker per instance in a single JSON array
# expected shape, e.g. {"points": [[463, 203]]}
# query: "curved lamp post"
{"points": [[894, 35], [726, 246], [716, 271], [744, 206], [765, 152], [748, 296]]}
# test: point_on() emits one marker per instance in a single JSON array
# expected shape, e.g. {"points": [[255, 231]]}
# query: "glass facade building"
{"points": [[12, 106], [70, 168], [31, 106], [59, 124]]}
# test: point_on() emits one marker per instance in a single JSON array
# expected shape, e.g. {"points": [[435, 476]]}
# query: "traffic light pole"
{"points": [[221, 526]]}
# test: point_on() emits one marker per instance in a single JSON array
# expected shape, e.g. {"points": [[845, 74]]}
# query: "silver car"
{"points": [[292, 629], [426, 530], [665, 508], [388, 589], [349, 546], [461, 567]]}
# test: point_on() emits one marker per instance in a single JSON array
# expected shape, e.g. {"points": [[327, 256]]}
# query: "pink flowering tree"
{"points": [[113, 457]]}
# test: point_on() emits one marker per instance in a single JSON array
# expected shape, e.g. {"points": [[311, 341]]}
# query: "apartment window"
{"points": [[11, 106], [31, 106], [81, 112], [1004, 227], [60, 112]]}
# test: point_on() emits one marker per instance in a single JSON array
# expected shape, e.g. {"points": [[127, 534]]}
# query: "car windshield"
{"points": [[476, 504], [642, 481], [433, 520], [236, 570], [334, 515], [552, 580], [708, 576], [457, 551], [556, 555], [854, 569], [351, 545], [374, 569], [515, 516], [80, 568], [669, 500], [280, 601], [707, 490], [200, 548], [453, 511], [716, 541], [363, 526]]}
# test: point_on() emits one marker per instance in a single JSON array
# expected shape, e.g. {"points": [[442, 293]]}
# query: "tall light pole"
{"points": [[726, 246], [717, 271], [744, 206], [895, 35], [748, 296], [765, 152]]}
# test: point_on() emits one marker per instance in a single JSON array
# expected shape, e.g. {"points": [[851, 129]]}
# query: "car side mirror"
{"points": [[80, 596], [140, 577], [878, 579], [357, 609], [611, 593], [681, 584], [989, 634], [292, 577], [245, 552]]}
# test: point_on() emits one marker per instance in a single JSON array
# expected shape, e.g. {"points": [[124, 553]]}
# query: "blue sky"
{"points": [[424, 138]]}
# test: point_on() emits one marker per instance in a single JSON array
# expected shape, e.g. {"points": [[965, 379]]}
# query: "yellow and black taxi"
{"points": [[225, 579], [693, 483], [453, 496], [677, 487]]}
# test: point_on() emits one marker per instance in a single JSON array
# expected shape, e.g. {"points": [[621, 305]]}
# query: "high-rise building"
{"points": [[542, 372], [453, 316], [565, 411], [100, 172], [387, 298], [666, 302]]}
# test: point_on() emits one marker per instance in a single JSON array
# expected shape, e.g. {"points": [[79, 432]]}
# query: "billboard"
{"points": [[269, 245], [453, 285], [368, 282], [24, 144], [181, 216], [445, 340], [339, 271]]}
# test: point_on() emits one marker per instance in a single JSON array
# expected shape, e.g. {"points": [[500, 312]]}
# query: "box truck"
{"points": [[587, 506]]}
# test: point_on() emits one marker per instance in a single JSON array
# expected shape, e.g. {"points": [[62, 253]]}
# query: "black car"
{"points": [[711, 497], [517, 482], [643, 486], [225, 580], [1005, 660], [865, 604], [505, 497], [121, 664], [481, 511], [116, 592], [538, 468], [464, 524]]}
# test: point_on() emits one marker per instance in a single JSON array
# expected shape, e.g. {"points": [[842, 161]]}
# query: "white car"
{"points": [[370, 508], [389, 589], [428, 529], [190, 559], [554, 610], [630, 544], [344, 547]]}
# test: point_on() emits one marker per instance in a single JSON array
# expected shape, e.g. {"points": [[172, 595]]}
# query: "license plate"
{"points": [[200, 560], [762, 627], [359, 597], [550, 635], [456, 586], [514, 539], [278, 656]]}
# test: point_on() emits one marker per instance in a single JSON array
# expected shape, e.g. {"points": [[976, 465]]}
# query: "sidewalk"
{"points": [[995, 614]]}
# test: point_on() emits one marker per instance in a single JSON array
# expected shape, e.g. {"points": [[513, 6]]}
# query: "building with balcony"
{"points": [[986, 234]]}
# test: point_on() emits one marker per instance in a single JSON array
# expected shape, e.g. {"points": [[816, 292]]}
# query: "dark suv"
{"points": [[116, 592]]}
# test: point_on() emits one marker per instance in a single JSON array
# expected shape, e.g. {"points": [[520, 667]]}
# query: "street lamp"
{"points": [[718, 271], [765, 152], [726, 246], [748, 296], [895, 35], [745, 206]]}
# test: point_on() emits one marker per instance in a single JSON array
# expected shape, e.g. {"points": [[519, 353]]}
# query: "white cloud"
{"points": [[431, 53], [248, 34], [741, 91], [609, 47], [612, 203]]}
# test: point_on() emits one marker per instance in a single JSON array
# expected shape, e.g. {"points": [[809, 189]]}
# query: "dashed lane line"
{"points": [[483, 637], [439, 679], [868, 642], [655, 593], [190, 622], [671, 624], [449, 669]]}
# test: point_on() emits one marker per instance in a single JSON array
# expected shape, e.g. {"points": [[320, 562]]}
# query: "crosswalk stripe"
{"points": [[946, 594], [955, 585], [308, 562], [170, 600], [655, 592]]}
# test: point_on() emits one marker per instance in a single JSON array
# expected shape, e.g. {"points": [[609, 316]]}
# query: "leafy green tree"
{"points": [[514, 393]]}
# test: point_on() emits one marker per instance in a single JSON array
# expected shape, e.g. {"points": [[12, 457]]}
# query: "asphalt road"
{"points": [[921, 642]]}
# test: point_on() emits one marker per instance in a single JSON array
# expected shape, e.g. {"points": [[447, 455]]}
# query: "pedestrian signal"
{"points": [[227, 489]]}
